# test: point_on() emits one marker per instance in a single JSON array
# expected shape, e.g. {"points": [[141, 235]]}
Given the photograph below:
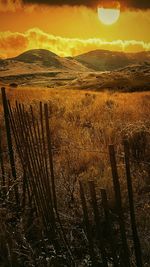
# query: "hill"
{"points": [[39, 56], [96, 70], [105, 60], [38, 60], [129, 79]]}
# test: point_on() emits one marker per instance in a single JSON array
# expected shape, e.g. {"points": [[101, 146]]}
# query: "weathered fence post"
{"points": [[118, 199], [2, 165], [9, 142], [49, 146], [97, 221], [137, 246], [87, 225], [109, 225], [53, 187]]}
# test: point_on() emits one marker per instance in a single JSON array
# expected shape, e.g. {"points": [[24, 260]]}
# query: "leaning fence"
{"points": [[33, 143]]}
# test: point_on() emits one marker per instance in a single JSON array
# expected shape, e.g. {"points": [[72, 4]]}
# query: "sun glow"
{"points": [[108, 16]]}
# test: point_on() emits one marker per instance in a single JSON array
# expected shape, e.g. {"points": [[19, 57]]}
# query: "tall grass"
{"points": [[83, 124]]}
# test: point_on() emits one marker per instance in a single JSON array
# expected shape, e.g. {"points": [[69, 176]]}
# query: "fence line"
{"points": [[34, 147]]}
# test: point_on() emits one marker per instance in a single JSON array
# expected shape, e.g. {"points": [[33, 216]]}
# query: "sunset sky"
{"points": [[69, 28]]}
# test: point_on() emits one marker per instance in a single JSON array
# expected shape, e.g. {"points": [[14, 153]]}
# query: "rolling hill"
{"points": [[104, 60], [95, 70], [38, 60]]}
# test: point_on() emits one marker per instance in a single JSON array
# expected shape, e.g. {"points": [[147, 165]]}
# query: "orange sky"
{"points": [[70, 30]]}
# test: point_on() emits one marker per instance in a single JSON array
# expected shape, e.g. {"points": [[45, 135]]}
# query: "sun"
{"points": [[108, 16]]}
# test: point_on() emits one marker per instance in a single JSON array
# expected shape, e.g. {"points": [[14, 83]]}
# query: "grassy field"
{"points": [[83, 124]]}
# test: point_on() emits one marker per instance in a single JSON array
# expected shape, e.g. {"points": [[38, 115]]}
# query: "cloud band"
{"points": [[14, 43]]}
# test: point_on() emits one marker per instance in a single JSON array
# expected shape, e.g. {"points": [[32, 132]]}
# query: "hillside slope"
{"points": [[96, 70], [38, 60], [104, 60]]}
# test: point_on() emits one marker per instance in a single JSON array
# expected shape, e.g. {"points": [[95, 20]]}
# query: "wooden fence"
{"points": [[32, 138]]}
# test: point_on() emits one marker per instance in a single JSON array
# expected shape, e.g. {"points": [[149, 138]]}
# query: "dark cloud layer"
{"points": [[132, 4]]}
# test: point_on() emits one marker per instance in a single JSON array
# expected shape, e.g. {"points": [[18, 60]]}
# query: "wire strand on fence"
{"points": [[73, 147]]}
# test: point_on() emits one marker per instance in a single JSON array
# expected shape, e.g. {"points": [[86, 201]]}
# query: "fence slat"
{"points": [[3, 184], [97, 221], [109, 225], [14, 127], [9, 142], [49, 146], [117, 190], [137, 246], [87, 224]]}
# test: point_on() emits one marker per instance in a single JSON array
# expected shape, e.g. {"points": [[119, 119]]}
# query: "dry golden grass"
{"points": [[127, 107], [89, 120], [83, 124]]}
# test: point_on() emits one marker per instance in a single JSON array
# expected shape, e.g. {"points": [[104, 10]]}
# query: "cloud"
{"points": [[14, 43], [139, 4], [21, 4], [10, 5]]}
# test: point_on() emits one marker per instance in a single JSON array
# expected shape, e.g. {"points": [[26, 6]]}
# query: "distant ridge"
{"points": [[96, 60], [105, 60], [96, 70]]}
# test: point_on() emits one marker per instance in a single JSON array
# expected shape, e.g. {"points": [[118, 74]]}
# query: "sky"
{"points": [[69, 28]]}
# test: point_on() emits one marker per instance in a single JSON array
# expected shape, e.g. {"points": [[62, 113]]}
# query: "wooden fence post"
{"points": [[137, 246], [49, 146], [109, 225], [9, 142], [87, 225], [118, 199], [51, 166], [97, 221], [2, 165]]}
